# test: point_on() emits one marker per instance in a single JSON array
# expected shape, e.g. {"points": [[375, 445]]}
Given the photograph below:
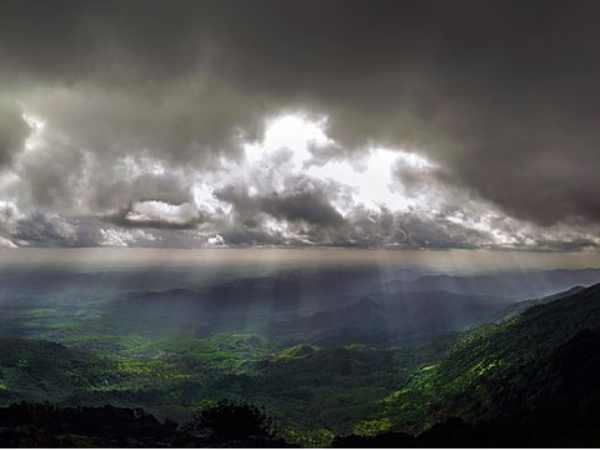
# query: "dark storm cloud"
{"points": [[110, 194], [44, 230], [502, 95], [13, 132], [310, 206]]}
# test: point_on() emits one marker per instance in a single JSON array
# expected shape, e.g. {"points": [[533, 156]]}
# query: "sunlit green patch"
{"points": [[316, 438], [297, 352], [482, 367], [355, 347], [122, 342], [68, 325], [39, 312], [148, 367], [371, 427], [222, 352], [193, 346]]}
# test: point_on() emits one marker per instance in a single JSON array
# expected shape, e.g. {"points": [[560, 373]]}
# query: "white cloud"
{"points": [[153, 211], [216, 241], [7, 243], [112, 237]]}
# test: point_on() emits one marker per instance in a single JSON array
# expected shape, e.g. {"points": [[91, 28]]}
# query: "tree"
{"points": [[229, 424]]}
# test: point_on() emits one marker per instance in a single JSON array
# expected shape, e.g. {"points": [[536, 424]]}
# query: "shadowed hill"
{"points": [[530, 381], [506, 367], [390, 316], [524, 305], [40, 370]]}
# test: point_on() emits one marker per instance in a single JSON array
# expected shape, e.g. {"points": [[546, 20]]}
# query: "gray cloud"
{"points": [[143, 99], [309, 206], [13, 132], [42, 230]]}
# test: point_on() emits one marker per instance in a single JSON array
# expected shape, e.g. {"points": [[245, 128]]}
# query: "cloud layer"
{"points": [[409, 124]]}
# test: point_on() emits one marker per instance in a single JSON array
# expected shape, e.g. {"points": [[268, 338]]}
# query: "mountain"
{"points": [[530, 381], [438, 312], [519, 307], [46, 371], [245, 302], [508, 285], [409, 314], [527, 362], [362, 321], [363, 314]]}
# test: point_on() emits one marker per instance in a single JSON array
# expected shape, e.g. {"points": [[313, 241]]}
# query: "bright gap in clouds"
{"points": [[294, 132], [371, 181], [36, 125], [369, 177]]}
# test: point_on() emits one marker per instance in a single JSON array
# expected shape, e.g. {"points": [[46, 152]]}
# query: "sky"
{"points": [[402, 125]]}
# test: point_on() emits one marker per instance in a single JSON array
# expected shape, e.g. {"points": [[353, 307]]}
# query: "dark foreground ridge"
{"points": [[527, 429], [230, 425], [47, 426]]}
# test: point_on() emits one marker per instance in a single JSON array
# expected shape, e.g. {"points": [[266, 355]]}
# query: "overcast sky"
{"points": [[388, 124]]}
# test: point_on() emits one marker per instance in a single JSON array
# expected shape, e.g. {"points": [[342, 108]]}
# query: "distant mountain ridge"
{"points": [[408, 314], [520, 307], [509, 285]]}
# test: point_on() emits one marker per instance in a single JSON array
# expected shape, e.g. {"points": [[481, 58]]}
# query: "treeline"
{"points": [[43, 425], [232, 425]]}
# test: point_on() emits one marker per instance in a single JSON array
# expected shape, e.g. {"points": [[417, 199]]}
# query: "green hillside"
{"points": [[47, 371], [501, 368]]}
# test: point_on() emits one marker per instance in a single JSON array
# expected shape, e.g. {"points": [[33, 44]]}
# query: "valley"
{"points": [[372, 363]]}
